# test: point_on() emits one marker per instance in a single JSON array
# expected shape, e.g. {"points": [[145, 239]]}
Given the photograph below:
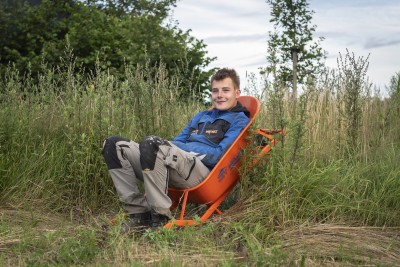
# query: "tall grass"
{"points": [[340, 159], [337, 162], [52, 131]]}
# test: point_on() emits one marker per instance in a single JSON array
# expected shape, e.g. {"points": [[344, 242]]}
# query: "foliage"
{"points": [[292, 53], [115, 33], [341, 126], [392, 116], [63, 121], [30, 31], [354, 86]]}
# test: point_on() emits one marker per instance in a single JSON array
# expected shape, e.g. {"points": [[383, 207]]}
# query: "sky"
{"points": [[236, 32]]}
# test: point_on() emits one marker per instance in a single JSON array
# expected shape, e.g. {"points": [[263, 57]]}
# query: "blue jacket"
{"points": [[211, 133]]}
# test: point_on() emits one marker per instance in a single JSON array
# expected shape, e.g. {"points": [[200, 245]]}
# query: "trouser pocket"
{"points": [[181, 161]]}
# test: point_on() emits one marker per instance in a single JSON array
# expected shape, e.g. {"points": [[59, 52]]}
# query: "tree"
{"points": [[296, 54], [29, 28], [116, 33]]}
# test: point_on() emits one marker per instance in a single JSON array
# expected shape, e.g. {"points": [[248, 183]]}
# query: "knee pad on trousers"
{"points": [[148, 151], [110, 152]]}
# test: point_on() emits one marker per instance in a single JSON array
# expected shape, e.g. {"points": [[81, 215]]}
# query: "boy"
{"points": [[183, 162]]}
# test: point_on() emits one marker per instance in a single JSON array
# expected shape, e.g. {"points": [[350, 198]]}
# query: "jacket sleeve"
{"points": [[185, 133]]}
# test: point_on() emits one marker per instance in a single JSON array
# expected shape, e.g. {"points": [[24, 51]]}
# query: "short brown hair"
{"points": [[227, 73]]}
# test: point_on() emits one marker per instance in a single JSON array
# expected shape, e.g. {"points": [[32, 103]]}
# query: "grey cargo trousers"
{"points": [[155, 161]]}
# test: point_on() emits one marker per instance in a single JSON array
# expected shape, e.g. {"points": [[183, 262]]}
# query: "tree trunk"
{"points": [[294, 91]]}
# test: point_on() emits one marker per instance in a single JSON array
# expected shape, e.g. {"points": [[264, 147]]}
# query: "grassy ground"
{"points": [[328, 194], [42, 239]]}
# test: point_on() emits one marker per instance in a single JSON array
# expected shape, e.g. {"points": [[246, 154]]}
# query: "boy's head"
{"points": [[227, 73], [225, 89]]}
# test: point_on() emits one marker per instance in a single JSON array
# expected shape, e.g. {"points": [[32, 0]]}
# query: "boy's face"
{"points": [[224, 95]]}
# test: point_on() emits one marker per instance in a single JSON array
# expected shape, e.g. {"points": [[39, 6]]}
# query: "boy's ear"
{"points": [[237, 93]]}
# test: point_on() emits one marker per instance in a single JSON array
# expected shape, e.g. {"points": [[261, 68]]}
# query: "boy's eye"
{"points": [[224, 90]]}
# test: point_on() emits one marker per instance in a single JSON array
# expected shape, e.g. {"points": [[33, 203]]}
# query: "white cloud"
{"points": [[236, 31]]}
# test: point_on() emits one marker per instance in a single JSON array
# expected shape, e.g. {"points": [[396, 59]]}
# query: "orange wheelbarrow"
{"points": [[224, 176]]}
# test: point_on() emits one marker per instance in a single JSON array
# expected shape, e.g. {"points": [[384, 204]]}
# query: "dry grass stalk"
{"points": [[338, 242]]}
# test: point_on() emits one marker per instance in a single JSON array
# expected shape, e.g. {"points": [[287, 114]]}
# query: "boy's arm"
{"points": [[185, 133]]}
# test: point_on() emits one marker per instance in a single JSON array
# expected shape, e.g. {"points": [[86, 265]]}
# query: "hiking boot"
{"points": [[136, 221], [158, 220]]}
